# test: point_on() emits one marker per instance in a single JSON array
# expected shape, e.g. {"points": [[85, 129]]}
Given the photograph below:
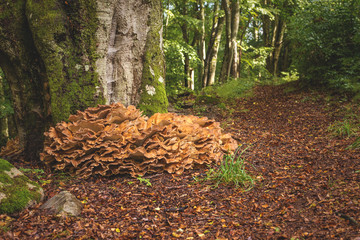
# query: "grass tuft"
{"points": [[346, 128], [232, 171]]}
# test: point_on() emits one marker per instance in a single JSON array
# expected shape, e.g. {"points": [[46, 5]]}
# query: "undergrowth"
{"points": [[234, 88]]}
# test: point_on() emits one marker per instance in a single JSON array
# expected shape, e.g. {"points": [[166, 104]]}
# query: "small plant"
{"points": [[144, 181], [38, 173], [30, 170], [231, 170], [344, 128]]}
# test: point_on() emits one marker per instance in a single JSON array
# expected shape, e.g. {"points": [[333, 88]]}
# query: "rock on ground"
{"points": [[63, 203]]}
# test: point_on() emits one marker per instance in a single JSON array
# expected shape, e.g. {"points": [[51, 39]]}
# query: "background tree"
{"points": [[54, 55]]}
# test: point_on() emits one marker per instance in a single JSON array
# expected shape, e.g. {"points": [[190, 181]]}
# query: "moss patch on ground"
{"points": [[16, 190]]}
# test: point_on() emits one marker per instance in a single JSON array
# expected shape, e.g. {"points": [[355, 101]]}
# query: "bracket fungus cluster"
{"points": [[113, 139]]}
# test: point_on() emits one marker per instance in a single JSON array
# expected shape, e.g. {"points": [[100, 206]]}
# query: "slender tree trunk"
{"points": [[266, 24], [278, 46], [214, 55], [276, 43], [230, 60], [243, 32], [213, 48], [202, 46], [185, 34]]}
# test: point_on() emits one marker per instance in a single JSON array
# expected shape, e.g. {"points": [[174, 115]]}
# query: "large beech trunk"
{"points": [[62, 56]]}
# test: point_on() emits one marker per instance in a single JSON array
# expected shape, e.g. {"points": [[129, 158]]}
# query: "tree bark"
{"points": [[278, 47], [4, 126], [273, 38], [202, 47], [213, 48], [62, 56], [185, 34], [232, 16]]}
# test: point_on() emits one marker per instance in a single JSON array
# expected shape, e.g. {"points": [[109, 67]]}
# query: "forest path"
{"points": [[307, 185], [309, 179]]}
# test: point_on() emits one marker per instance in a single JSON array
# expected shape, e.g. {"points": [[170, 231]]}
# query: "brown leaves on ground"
{"points": [[308, 186], [112, 139]]}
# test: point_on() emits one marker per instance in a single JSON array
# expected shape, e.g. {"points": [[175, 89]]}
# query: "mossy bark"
{"points": [[23, 71], [48, 53], [64, 35], [153, 95]]}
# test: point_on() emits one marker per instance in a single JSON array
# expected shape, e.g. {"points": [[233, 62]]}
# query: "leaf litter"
{"points": [[307, 185]]}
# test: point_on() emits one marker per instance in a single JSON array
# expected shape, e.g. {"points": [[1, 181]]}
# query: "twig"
{"points": [[348, 218], [175, 187]]}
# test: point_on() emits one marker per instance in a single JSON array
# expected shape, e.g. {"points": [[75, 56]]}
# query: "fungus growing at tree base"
{"points": [[113, 139]]}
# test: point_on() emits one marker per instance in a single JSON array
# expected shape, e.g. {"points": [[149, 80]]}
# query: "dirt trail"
{"points": [[308, 186]]}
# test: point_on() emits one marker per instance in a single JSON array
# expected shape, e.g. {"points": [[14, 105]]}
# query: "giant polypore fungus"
{"points": [[12, 149], [113, 139]]}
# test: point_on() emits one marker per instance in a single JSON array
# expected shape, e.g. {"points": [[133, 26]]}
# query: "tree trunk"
{"points": [[63, 56], [4, 126], [185, 34], [202, 47], [276, 43], [243, 32], [232, 16], [278, 46], [213, 48]]}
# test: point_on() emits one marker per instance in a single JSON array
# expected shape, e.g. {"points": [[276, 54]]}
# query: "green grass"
{"points": [[355, 144], [234, 88], [346, 128], [231, 171]]}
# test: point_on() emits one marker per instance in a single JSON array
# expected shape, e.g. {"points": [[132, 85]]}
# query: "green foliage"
{"points": [[253, 63], [175, 52], [234, 88], [326, 40], [232, 171]]}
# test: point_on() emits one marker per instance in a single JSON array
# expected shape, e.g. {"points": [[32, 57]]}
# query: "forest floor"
{"points": [[307, 184]]}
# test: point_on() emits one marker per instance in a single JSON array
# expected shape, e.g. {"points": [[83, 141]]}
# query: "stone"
{"points": [[17, 192], [63, 203]]}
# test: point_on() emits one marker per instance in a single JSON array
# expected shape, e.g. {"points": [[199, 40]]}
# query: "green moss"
{"points": [[4, 165], [18, 195], [64, 35], [153, 94]]}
